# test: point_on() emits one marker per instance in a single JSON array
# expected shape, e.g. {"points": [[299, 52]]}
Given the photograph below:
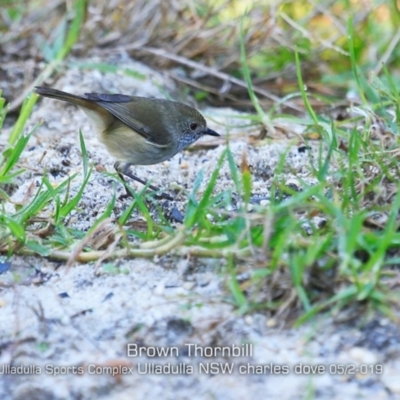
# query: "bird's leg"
{"points": [[123, 169]]}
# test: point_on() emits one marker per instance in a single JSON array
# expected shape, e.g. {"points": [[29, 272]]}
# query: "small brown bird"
{"points": [[138, 130]]}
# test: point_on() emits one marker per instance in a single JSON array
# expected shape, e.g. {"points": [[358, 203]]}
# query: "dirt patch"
{"points": [[73, 329]]}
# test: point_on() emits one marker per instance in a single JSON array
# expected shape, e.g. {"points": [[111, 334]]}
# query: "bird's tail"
{"points": [[64, 96]]}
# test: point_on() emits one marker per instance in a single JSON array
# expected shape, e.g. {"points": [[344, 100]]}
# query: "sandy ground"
{"points": [[77, 333]]}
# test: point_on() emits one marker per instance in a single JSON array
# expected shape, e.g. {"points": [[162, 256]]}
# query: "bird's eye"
{"points": [[193, 126]]}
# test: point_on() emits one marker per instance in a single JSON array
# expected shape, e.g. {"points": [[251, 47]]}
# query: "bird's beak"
{"points": [[210, 132]]}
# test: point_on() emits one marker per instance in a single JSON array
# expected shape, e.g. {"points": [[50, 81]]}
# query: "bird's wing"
{"points": [[120, 106]]}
